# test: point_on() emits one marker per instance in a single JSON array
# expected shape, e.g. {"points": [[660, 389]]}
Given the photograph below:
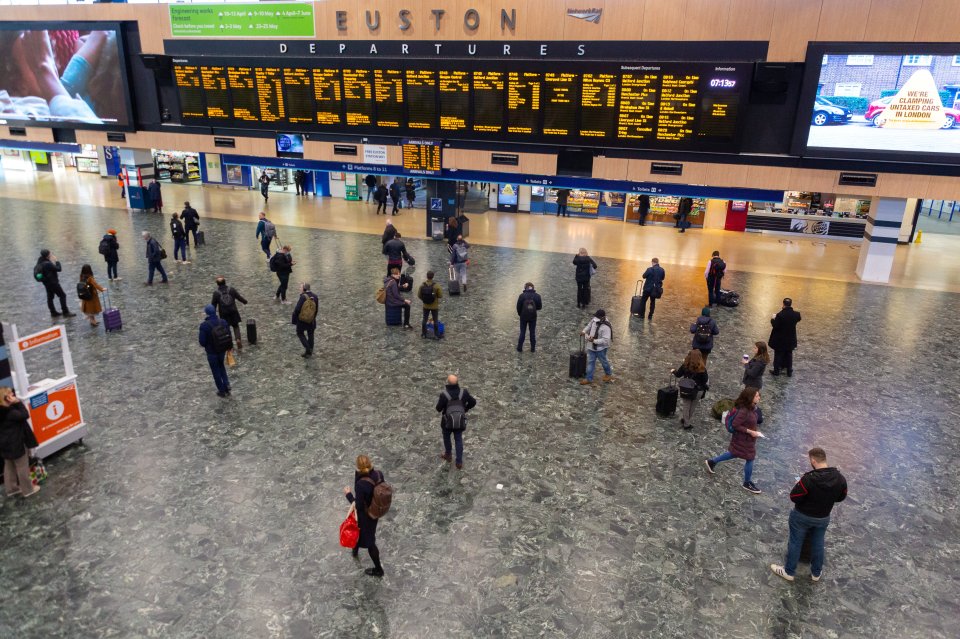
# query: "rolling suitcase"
{"points": [[667, 398], [578, 360], [251, 331], [111, 316], [636, 307], [201, 240], [453, 286]]}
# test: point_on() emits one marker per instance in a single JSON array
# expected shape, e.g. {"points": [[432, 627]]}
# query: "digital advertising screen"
{"points": [[882, 105], [74, 74], [669, 105], [290, 145]]}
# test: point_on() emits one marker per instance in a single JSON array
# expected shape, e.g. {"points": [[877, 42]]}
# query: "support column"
{"points": [[880, 239], [137, 164]]}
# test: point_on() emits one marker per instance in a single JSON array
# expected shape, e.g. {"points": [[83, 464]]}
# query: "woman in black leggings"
{"points": [[364, 481]]}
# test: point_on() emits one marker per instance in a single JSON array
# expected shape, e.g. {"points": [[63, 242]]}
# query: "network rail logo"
{"points": [[590, 15]]}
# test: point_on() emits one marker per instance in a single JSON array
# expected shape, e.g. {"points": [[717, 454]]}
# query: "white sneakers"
{"points": [[780, 572]]}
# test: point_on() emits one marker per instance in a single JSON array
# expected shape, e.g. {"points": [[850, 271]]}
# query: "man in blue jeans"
{"points": [[599, 334], [453, 405], [214, 344], [814, 495]]}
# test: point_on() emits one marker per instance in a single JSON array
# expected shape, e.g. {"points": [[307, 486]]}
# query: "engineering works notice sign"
{"points": [[247, 20]]}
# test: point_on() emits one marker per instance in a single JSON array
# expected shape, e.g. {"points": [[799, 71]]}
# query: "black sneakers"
{"points": [[749, 485]]}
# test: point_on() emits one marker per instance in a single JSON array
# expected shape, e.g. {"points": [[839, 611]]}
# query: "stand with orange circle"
{"points": [[53, 403]]}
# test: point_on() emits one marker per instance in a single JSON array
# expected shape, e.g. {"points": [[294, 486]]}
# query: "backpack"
{"points": [[382, 498], [38, 272], [84, 291], [728, 418], [222, 340], [104, 246], [273, 262], [461, 251], [528, 310], [455, 415], [308, 312], [703, 333], [227, 303], [269, 229], [717, 267], [427, 293]]}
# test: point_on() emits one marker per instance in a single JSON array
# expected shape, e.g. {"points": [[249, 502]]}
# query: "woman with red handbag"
{"points": [[365, 480]]}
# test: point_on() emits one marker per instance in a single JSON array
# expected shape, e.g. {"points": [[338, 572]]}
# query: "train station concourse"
{"points": [[629, 318]]}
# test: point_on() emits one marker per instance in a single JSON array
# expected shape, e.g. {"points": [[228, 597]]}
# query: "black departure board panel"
{"points": [[422, 157], [670, 105]]}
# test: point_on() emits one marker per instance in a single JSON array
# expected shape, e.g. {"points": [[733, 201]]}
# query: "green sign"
{"points": [[248, 20], [352, 187]]}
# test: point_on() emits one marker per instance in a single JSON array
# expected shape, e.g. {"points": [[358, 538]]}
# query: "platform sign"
{"points": [[55, 411]]}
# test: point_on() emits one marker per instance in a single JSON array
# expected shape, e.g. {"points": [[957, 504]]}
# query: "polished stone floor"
{"points": [[579, 513]]}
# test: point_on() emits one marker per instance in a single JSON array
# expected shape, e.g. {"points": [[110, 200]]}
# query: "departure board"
{"points": [[657, 105], [454, 100], [422, 157]]}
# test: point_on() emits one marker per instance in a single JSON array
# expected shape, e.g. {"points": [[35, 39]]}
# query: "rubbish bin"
{"points": [[464, 223], [436, 229]]}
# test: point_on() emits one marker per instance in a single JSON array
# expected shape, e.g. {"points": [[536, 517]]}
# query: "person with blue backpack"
{"points": [[741, 422], [459, 258]]}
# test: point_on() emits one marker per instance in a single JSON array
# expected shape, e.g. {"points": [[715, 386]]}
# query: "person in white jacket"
{"points": [[598, 334]]}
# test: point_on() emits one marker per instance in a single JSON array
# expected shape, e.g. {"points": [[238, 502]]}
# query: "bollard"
{"points": [[919, 236]]}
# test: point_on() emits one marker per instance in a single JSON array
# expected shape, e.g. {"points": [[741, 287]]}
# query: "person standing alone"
{"points": [[714, 272], [305, 318], [453, 405], [430, 294], [47, 272], [155, 255], [585, 270], [108, 249], [16, 442], [156, 197], [652, 287], [599, 334], [89, 293], [814, 496], [783, 337], [528, 304]]}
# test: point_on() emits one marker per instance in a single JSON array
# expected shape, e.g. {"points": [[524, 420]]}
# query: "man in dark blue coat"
{"points": [[652, 287], [528, 304], [783, 337], [305, 318], [215, 357]]}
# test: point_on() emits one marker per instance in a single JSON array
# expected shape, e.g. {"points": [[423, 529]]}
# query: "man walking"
{"points": [[652, 287], [179, 238], [453, 405], [380, 196], [225, 300], [783, 337], [714, 272], [282, 264], [215, 340], [191, 222], [459, 258], [305, 318], [394, 197], [155, 255], [266, 231], [562, 196], [371, 183], [528, 304], [704, 328], [814, 496], [599, 334], [683, 212], [396, 252], [47, 272], [108, 249], [430, 294], [264, 181]]}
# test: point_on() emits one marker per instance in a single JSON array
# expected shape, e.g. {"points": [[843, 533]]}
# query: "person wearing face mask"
{"points": [[743, 440], [16, 442], [814, 496]]}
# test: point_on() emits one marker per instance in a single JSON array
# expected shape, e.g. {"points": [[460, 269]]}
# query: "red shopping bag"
{"points": [[349, 529]]}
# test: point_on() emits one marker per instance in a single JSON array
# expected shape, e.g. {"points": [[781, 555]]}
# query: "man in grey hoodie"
{"points": [[599, 335]]}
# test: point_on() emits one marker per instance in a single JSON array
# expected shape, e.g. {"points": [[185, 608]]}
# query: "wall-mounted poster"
{"points": [[234, 173]]}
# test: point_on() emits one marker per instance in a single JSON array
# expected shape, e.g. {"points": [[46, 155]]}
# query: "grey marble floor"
{"points": [[184, 515]]}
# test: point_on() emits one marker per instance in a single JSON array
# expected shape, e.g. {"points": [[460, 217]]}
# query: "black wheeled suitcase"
{"points": [[453, 286], [636, 307], [251, 331], [667, 398], [578, 360], [201, 240]]}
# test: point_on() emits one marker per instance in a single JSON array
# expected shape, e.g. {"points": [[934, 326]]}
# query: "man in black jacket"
{"points": [[783, 337], [652, 287], [371, 183], [49, 269], [716, 269], [154, 259], [528, 304], [396, 252], [453, 405], [191, 222], [380, 195], [562, 196], [179, 238], [225, 300], [282, 264], [814, 495], [305, 318]]}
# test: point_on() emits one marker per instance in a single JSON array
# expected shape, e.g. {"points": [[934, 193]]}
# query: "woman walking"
{"points": [[694, 369], [585, 269], [90, 305], [743, 442], [365, 479], [754, 367], [16, 441]]}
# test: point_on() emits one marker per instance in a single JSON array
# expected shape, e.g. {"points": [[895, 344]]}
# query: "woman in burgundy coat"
{"points": [[743, 442]]}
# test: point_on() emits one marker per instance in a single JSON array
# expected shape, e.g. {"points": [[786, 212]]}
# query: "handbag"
{"points": [[38, 472], [350, 529], [230, 360]]}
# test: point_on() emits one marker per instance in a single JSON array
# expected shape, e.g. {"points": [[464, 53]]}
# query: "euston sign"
{"points": [[471, 19]]}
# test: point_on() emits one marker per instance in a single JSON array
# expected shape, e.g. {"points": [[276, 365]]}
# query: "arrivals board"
{"points": [[670, 105], [422, 157]]}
